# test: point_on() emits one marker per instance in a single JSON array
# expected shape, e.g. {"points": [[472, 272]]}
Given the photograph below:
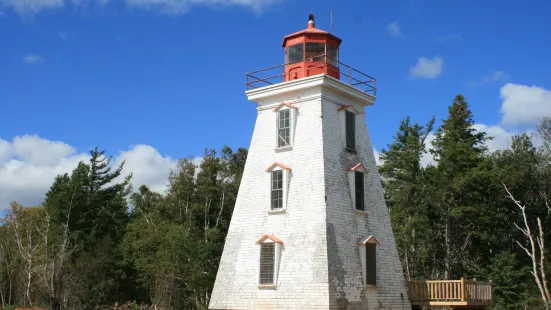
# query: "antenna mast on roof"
{"points": [[332, 23]]}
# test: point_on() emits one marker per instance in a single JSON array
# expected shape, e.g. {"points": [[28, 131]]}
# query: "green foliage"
{"points": [[174, 242], [509, 281], [93, 242], [453, 219], [403, 179]]}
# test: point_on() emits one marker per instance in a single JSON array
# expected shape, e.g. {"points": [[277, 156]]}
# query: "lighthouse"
{"points": [[310, 228]]}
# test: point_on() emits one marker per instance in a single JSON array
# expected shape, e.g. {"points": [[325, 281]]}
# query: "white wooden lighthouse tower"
{"points": [[310, 228]]}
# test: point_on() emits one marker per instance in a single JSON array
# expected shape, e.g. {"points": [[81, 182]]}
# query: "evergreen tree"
{"points": [[459, 150], [87, 213], [403, 179]]}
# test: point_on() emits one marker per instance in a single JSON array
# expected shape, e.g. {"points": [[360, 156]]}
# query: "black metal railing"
{"points": [[276, 74]]}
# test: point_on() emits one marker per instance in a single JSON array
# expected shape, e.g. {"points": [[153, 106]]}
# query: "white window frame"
{"points": [[286, 178], [362, 248], [342, 118], [292, 122], [352, 186], [277, 252]]}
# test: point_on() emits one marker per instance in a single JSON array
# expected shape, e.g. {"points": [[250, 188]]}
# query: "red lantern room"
{"points": [[311, 52]]}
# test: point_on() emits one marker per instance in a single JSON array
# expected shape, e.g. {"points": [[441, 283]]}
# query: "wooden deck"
{"points": [[467, 294]]}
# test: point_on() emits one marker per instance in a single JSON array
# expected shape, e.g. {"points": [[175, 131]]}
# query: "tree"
{"points": [[536, 248], [87, 215], [23, 224], [174, 242], [403, 178], [8, 266], [458, 149]]}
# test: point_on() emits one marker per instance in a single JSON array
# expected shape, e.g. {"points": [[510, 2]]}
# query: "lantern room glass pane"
{"points": [[315, 52], [332, 55], [294, 53]]}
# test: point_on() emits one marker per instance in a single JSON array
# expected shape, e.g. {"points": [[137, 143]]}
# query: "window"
{"points": [[268, 260], [267, 263], [294, 53], [350, 130], [371, 263], [278, 179], [332, 55], [356, 180], [285, 122], [315, 52], [283, 128], [347, 118], [368, 255], [277, 190], [359, 190]]}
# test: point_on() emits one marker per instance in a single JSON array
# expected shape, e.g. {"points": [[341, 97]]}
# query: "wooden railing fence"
{"points": [[450, 290]]}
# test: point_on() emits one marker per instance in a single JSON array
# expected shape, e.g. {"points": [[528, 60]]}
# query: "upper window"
{"points": [[277, 190], [356, 180], [359, 190], [315, 51], [286, 116], [332, 55], [283, 128], [267, 263], [294, 53], [279, 176], [350, 130]]}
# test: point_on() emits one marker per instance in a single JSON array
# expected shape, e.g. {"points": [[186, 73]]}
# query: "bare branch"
{"points": [[532, 253], [523, 231], [541, 242]]}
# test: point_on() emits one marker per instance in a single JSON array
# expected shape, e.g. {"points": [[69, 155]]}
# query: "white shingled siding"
{"points": [[319, 261], [346, 227]]}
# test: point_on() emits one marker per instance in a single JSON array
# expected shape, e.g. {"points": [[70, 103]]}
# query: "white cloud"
{"points": [[501, 137], [502, 140], [491, 77], [28, 8], [454, 37], [377, 157], [37, 151], [182, 6], [5, 151], [427, 68], [393, 29], [29, 164], [32, 59], [427, 158], [147, 166], [522, 104]]}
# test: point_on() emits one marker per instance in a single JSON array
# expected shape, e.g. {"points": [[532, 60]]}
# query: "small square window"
{"points": [[294, 53], [277, 190], [267, 263], [350, 130]]}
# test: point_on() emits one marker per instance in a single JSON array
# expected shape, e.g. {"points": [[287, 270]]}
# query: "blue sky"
{"points": [[167, 79]]}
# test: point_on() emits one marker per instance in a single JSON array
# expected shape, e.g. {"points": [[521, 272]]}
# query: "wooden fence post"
{"points": [[462, 289]]}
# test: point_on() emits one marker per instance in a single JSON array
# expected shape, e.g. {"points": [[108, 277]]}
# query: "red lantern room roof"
{"points": [[311, 52], [311, 31]]}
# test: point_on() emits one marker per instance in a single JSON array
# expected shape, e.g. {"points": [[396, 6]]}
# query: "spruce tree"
{"points": [[403, 177], [458, 149]]}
